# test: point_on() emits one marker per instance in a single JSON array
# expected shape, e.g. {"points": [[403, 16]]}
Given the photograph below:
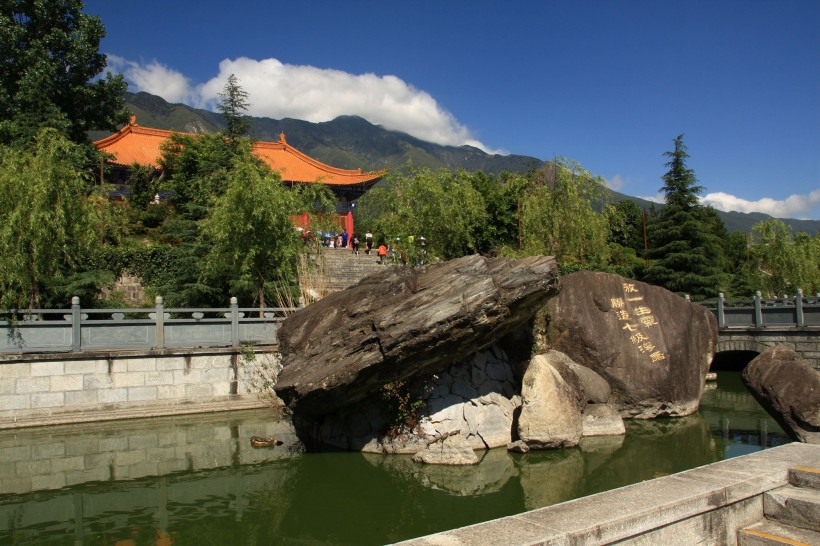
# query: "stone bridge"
{"points": [[749, 328]]}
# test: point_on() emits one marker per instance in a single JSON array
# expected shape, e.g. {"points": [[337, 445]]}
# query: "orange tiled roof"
{"points": [[135, 144]]}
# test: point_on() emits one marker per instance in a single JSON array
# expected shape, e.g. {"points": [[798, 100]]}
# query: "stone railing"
{"points": [[786, 312], [78, 330]]}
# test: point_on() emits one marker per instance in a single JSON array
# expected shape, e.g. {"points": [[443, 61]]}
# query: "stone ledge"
{"points": [[629, 513], [9, 358], [133, 410]]}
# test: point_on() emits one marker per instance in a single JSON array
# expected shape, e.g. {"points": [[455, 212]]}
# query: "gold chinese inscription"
{"points": [[639, 321]]}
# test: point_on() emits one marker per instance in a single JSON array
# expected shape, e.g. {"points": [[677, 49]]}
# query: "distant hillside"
{"points": [[350, 142]]}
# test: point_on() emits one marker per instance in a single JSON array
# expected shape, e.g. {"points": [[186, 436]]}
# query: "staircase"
{"points": [[792, 513], [343, 268]]}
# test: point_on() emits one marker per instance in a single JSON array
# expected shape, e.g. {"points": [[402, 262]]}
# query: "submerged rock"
{"points": [[789, 389], [453, 449], [405, 323], [602, 420], [651, 346]]}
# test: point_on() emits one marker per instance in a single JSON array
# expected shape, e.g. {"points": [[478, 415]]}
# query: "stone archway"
{"points": [[734, 355], [740, 345]]}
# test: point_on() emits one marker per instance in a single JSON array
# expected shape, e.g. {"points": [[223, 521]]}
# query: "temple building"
{"points": [[141, 145]]}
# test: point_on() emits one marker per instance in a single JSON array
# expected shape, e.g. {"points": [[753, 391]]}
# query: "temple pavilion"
{"points": [[141, 145]]}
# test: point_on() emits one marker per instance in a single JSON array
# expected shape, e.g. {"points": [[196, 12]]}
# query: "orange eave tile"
{"points": [[136, 144]]}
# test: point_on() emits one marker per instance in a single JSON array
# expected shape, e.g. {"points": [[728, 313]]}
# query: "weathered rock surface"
{"points": [[602, 420], [652, 347], [789, 388], [452, 450], [477, 397], [550, 403], [403, 323]]}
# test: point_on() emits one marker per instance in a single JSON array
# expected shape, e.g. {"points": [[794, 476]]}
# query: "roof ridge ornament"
{"points": [[133, 120], [282, 137]]}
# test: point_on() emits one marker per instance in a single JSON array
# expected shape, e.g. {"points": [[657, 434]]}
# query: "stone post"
{"points": [[798, 308], [721, 302], [234, 323], [758, 311], [160, 320], [76, 325]]}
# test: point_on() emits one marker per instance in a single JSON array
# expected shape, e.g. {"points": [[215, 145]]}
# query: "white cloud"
{"points": [[616, 182], [794, 206], [154, 78], [279, 90], [657, 198]]}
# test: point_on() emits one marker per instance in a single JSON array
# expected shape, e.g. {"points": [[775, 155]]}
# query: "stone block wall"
{"points": [[51, 389]]}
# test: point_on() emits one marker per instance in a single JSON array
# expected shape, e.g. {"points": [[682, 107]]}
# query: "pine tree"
{"points": [[232, 105], [685, 240]]}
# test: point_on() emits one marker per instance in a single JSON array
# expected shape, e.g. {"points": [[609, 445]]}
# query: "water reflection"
{"points": [[196, 479]]}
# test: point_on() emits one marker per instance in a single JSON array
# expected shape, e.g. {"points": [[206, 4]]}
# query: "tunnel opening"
{"points": [[732, 361]]}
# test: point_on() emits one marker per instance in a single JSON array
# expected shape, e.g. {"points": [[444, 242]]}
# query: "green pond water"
{"points": [[196, 480]]}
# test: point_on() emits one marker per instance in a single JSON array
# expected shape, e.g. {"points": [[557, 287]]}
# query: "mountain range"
{"points": [[351, 142]]}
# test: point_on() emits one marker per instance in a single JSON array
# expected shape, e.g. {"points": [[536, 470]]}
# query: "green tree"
{"points": [[50, 59], [557, 217], [780, 261], [195, 168], [232, 105], [441, 206], [625, 220], [501, 194], [49, 220], [250, 232], [685, 239]]}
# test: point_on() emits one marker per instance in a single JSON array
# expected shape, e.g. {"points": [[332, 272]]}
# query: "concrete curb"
{"points": [[705, 505]]}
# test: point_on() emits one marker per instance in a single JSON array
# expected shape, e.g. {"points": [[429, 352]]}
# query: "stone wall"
{"points": [[52, 389], [805, 341], [130, 287]]}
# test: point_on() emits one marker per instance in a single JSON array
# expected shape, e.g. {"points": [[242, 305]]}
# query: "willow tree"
{"points": [[557, 215], [780, 261], [441, 206], [50, 220], [251, 239]]}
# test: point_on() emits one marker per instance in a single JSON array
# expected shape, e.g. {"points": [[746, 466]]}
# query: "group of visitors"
{"points": [[344, 240]]}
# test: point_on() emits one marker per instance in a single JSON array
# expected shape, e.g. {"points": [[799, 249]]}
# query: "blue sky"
{"points": [[609, 84]]}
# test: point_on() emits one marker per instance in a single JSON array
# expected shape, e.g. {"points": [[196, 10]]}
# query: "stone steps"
{"points": [[343, 268], [792, 513]]}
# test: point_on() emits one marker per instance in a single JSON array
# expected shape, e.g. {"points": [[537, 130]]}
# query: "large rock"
{"points": [[789, 389], [404, 323], [550, 404], [478, 396], [652, 347]]}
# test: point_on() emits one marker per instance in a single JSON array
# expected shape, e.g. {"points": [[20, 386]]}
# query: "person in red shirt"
{"points": [[382, 253]]}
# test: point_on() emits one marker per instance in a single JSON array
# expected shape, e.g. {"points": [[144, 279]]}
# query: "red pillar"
{"points": [[349, 225]]}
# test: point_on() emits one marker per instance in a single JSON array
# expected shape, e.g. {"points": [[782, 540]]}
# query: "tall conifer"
{"points": [[685, 243]]}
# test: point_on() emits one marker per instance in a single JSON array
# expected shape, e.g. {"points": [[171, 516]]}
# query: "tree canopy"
{"points": [[50, 59], [557, 217], [441, 206]]}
